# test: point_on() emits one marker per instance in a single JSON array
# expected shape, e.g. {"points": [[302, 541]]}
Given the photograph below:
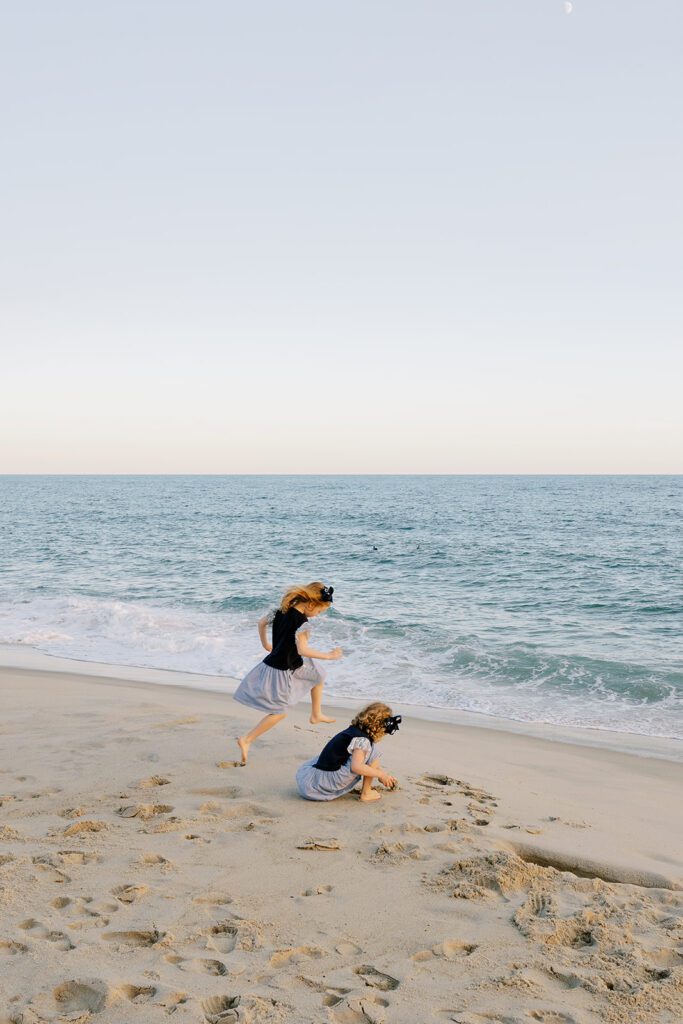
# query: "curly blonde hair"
{"points": [[304, 594], [371, 719]]}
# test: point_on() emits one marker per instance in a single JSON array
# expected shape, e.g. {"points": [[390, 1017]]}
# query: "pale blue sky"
{"points": [[323, 236]]}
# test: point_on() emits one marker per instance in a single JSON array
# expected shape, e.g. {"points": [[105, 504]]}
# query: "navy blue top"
{"points": [[336, 753], [284, 654]]}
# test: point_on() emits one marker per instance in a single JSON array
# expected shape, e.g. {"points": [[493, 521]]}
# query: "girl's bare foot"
{"points": [[320, 719], [369, 796], [244, 745]]}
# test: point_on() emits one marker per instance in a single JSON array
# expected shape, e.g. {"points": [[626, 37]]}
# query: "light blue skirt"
{"points": [[273, 690], [314, 784]]}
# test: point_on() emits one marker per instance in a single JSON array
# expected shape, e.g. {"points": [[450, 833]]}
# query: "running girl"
{"points": [[350, 757], [288, 672]]}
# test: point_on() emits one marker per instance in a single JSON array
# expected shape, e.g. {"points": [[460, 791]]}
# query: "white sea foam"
{"points": [[389, 667], [127, 633]]}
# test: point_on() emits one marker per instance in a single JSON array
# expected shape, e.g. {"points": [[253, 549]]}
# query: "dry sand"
{"points": [[511, 879]]}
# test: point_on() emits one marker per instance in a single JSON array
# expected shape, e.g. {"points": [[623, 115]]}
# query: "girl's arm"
{"points": [[306, 652], [359, 767], [263, 633]]}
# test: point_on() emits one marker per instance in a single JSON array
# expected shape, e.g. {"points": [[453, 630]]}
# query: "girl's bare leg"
{"points": [[316, 706], [244, 742], [367, 793]]}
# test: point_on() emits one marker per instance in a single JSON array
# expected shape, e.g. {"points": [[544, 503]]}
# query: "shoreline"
{"points": [[479, 747], [17, 656]]}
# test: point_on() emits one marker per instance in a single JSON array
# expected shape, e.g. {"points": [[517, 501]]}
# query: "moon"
{"points": [[568, 7]]}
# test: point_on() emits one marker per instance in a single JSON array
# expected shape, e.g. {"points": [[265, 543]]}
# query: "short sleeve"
{"points": [[359, 743], [304, 627]]}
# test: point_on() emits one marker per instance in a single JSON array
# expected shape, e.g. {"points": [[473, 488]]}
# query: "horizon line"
{"points": [[349, 474]]}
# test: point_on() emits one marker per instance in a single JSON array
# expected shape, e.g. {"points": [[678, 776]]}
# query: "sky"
{"points": [[370, 236]]}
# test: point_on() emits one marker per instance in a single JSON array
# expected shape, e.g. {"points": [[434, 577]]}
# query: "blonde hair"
{"points": [[371, 719], [306, 593]]}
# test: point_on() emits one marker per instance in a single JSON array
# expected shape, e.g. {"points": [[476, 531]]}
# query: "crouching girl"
{"points": [[349, 757]]}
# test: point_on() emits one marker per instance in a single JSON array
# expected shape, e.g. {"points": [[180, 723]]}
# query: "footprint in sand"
{"points": [[61, 902], [156, 860], [106, 908], [467, 1017], [202, 965], [222, 937], [251, 811], [450, 949], [430, 781], [319, 844], [296, 955], [49, 865], [220, 1009], [93, 917], [322, 890], [217, 899], [478, 810], [77, 857], [397, 853], [90, 995], [129, 893], [207, 966], [143, 811], [43, 792], [89, 922], [80, 827], [174, 723], [476, 794], [72, 812], [365, 1009], [134, 938], [333, 996], [459, 825], [153, 780], [551, 1017], [135, 993], [538, 919], [79, 905], [37, 930], [8, 947], [212, 807], [376, 979], [348, 949], [173, 1000], [227, 792]]}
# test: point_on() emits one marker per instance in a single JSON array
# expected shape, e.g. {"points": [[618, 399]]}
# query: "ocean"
{"points": [[532, 598]]}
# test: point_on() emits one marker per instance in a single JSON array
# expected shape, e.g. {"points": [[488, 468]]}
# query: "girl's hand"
{"points": [[388, 781], [336, 654]]}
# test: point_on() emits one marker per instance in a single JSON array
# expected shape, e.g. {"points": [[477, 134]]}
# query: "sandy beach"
{"points": [[510, 879]]}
